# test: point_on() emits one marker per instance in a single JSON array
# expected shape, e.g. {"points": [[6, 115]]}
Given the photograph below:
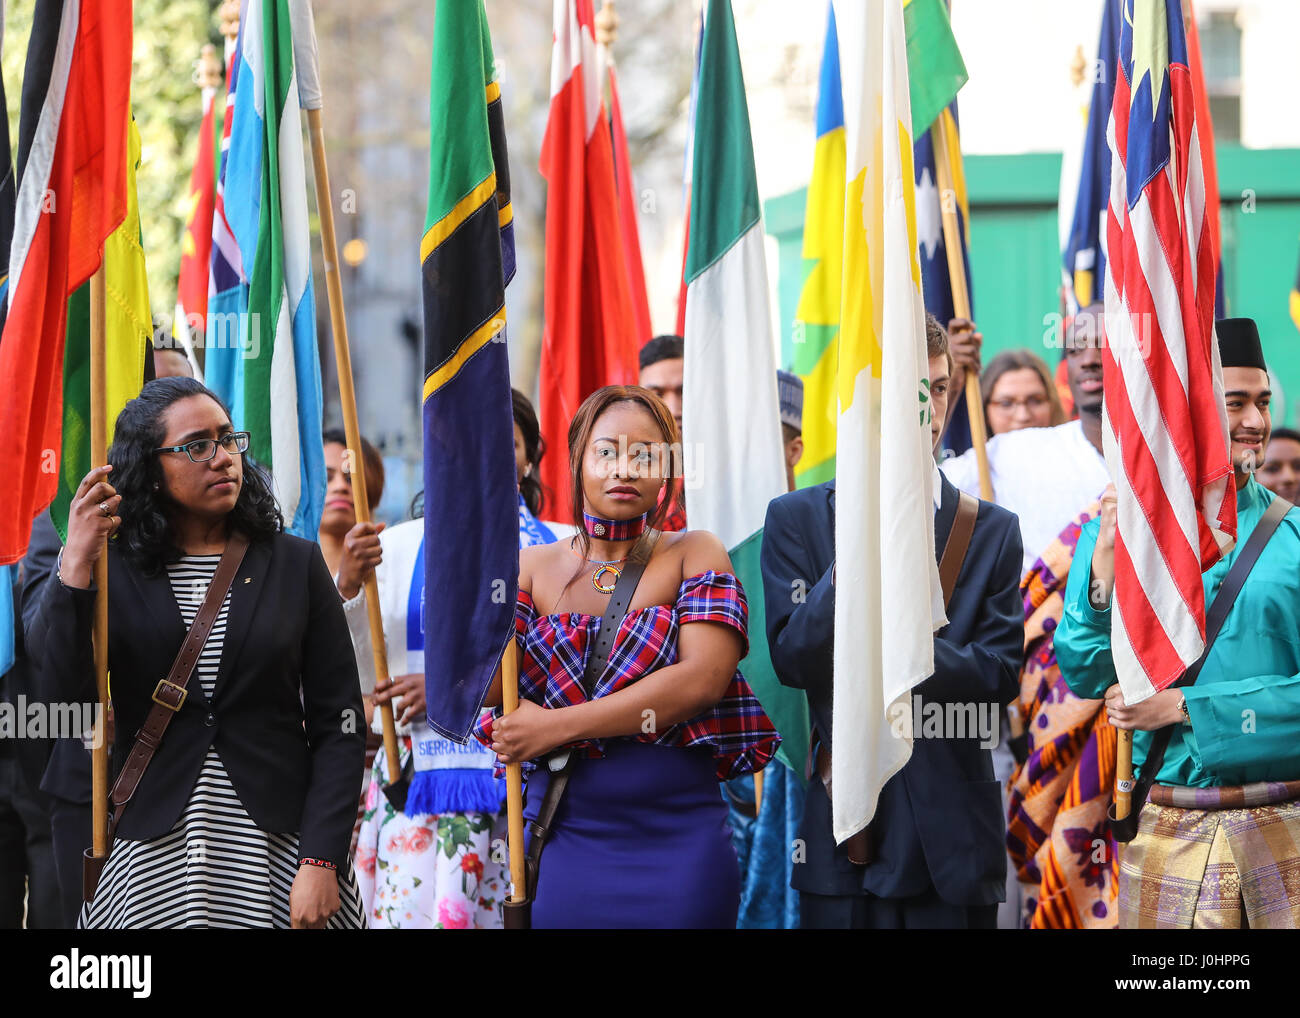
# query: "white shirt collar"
{"points": [[937, 484]]}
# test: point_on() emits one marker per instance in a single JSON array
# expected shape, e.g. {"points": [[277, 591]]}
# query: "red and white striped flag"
{"points": [[1166, 429]]}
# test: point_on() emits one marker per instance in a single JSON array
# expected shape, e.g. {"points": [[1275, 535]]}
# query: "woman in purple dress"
{"points": [[640, 838]]}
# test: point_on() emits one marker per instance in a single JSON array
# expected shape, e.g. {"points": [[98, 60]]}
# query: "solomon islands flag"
{"points": [[1083, 260], [470, 493], [936, 283]]}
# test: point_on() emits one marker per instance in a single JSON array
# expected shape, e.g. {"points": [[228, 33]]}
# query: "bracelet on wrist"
{"points": [[322, 863]]}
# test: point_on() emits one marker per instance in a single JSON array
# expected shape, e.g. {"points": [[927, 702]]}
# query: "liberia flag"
{"points": [[1165, 427], [72, 156], [590, 332]]}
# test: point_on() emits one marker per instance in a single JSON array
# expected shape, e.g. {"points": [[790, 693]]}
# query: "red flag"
{"points": [[627, 215], [590, 335], [71, 196], [196, 245], [1166, 430]]}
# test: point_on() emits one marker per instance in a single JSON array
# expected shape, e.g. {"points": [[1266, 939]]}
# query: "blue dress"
{"points": [[640, 841], [641, 838]]}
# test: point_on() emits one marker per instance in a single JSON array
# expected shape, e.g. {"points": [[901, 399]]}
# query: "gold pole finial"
{"points": [[1077, 67], [607, 24], [229, 15]]}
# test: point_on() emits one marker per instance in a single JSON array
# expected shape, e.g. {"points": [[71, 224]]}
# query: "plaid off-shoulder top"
{"points": [[554, 649]]}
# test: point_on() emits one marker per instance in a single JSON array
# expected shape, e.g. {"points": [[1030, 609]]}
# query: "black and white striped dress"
{"points": [[215, 867]]}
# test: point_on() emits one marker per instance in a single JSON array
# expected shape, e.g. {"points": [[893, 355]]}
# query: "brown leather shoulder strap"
{"points": [[954, 549], [610, 623], [619, 602], [169, 695]]}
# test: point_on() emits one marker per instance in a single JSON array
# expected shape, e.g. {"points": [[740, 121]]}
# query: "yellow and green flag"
{"points": [[889, 602]]}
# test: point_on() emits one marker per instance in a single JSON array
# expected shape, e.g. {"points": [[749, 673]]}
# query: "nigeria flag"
{"points": [[731, 422], [730, 417]]}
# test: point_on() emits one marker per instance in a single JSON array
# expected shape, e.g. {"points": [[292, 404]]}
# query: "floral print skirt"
{"points": [[430, 871]]}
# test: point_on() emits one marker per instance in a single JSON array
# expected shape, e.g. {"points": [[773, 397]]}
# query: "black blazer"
{"points": [[285, 715], [939, 822]]}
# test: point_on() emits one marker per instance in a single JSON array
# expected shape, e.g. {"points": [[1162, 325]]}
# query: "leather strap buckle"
{"points": [[179, 695]]}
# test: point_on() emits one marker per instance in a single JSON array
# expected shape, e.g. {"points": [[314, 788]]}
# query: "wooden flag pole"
{"points": [[98, 457], [1124, 775], [960, 299], [348, 404], [514, 777]]}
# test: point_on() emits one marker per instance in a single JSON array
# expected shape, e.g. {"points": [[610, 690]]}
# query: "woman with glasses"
{"points": [[244, 814], [1018, 393]]}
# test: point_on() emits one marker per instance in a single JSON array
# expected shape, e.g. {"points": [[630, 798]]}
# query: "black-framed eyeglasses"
{"points": [[203, 449]]}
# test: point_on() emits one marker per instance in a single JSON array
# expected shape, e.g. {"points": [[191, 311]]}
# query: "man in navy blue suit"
{"points": [[935, 855]]}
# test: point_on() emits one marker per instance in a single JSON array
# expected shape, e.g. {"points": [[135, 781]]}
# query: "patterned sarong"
{"points": [[1214, 866], [1057, 831]]}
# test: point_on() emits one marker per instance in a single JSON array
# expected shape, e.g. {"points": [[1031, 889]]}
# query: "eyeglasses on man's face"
{"points": [[203, 449]]}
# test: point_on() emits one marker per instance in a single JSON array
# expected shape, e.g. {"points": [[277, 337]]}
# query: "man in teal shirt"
{"points": [[1210, 850]]}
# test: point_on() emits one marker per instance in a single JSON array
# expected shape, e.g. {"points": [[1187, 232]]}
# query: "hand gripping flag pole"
{"points": [[309, 94]]}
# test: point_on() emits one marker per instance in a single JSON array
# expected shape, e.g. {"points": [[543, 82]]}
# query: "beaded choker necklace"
{"points": [[615, 530]]}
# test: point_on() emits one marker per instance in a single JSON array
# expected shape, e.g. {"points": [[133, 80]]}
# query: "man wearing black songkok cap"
{"points": [[1218, 843]]}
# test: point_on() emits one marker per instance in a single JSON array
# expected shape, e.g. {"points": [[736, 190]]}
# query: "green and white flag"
{"points": [[730, 416]]}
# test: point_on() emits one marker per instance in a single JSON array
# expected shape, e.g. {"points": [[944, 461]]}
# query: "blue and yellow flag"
{"points": [[470, 490], [817, 316], [936, 73]]}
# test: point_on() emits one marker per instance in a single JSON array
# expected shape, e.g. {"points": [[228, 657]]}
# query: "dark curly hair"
{"points": [[145, 536]]}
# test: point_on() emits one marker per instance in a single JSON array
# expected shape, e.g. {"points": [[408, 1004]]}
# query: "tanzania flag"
{"points": [[275, 392], [817, 317], [467, 257], [71, 196], [128, 331]]}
